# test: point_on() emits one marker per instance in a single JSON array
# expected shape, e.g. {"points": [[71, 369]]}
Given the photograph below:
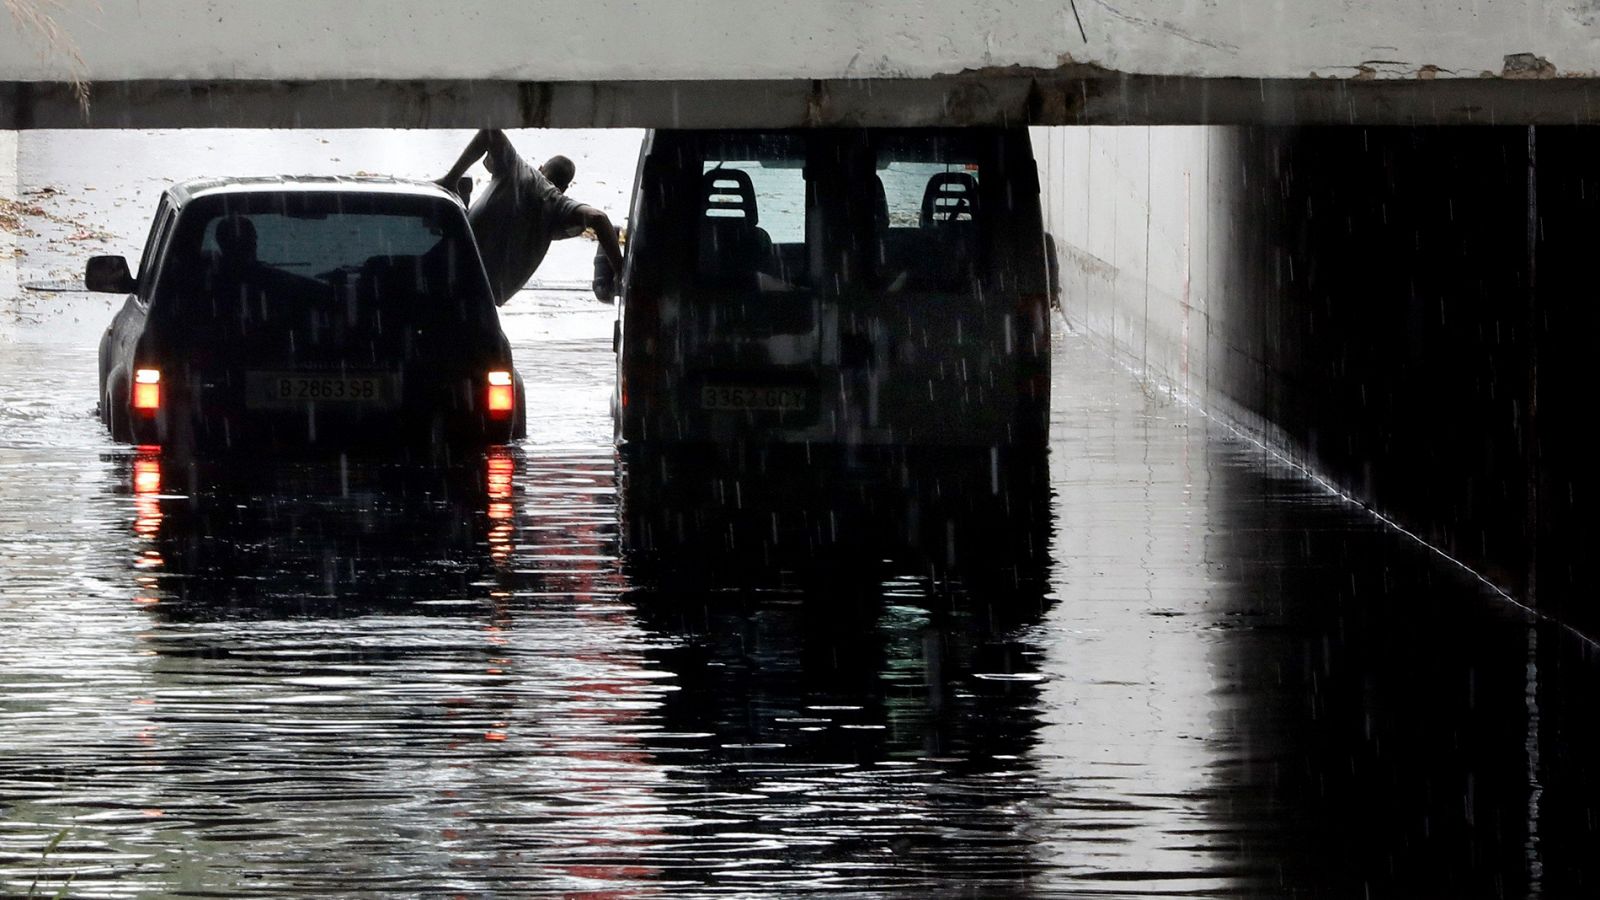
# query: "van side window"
{"points": [[751, 226]]}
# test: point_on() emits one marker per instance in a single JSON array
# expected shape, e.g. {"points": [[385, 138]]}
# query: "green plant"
{"points": [[44, 856]]}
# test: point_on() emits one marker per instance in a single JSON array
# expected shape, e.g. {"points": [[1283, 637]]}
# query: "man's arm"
{"points": [[489, 141], [590, 217]]}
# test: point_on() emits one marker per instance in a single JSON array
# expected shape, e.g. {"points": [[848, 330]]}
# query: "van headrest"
{"points": [[950, 197], [729, 194]]}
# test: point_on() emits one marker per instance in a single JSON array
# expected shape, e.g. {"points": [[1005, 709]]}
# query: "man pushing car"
{"points": [[522, 210]]}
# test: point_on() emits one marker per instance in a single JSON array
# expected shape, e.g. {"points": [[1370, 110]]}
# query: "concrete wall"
{"points": [[8, 241], [8, 164], [598, 40], [1138, 273], [761, 63], [1406, 311]]}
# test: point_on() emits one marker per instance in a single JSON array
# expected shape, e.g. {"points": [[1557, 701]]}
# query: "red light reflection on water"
{"points": [[146, 472], [146, 487], [147, 517], [500, 470], [602, 688]]}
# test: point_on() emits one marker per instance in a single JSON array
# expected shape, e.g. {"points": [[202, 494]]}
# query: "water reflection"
{"points": [[851, 742], [327, 537], [351, 674], [1180, 671], [501, 471], [555, 723], [857, 695]]}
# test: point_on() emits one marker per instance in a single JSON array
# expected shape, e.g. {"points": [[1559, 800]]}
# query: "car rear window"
{"points": [[404, 254], [325, 246]]}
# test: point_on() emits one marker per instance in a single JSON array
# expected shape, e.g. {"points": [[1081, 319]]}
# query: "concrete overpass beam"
{"points": [[1070, 95], [582, 63]]}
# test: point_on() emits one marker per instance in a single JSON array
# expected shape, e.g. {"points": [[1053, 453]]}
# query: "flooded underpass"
{"points": [[332, 679], [352, 677]]}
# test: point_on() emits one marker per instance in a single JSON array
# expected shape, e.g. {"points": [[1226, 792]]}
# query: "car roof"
{"points": [[185, 191]]}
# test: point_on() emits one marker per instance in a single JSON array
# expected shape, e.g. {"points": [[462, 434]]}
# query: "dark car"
{"points": [[276, 313]]}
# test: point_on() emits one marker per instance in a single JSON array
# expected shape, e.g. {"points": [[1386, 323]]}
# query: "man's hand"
{"points": [[606, 235], [459, 188], [480, 143]]}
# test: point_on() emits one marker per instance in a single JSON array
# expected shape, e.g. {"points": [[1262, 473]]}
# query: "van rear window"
{"points": [[751, 230], [788, 211], [929, 227]]}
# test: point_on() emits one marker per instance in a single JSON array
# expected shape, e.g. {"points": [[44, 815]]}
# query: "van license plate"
{"points": [[750, 397], [292, 390]]}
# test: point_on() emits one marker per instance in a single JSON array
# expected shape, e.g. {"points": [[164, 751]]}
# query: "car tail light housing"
{"points": [[147, 391], [502, 397]]}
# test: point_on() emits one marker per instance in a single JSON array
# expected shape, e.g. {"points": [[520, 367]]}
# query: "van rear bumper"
{"points": [[740, 511]]}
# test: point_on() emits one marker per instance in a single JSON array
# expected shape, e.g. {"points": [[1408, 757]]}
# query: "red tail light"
{"points": [[147, 390], [502, 394]]}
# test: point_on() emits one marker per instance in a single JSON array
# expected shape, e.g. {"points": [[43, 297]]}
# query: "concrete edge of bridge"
{"points": [[1009, 96]]}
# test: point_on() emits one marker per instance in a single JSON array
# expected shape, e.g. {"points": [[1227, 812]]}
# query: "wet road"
{"points": [[348, 680]]}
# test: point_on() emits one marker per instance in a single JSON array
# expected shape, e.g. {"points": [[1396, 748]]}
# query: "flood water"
{"points": [[352, 678]]}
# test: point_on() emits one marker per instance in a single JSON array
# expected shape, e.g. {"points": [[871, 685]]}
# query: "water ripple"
{"points": [[357, 679]]}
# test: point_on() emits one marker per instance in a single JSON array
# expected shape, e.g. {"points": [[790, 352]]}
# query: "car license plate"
{"points": [[293, 390], [753, 397]]}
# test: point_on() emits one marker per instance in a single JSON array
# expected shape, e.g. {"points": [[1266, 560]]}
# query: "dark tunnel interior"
{"points": [[1413, 312]]}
